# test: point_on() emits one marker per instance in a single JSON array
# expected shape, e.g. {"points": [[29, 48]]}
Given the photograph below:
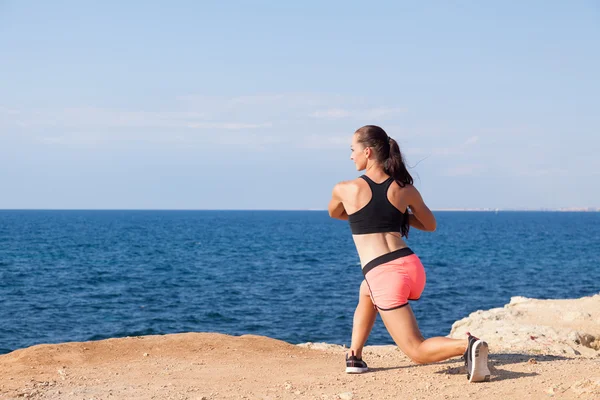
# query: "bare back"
{"points": [[356, 194]]}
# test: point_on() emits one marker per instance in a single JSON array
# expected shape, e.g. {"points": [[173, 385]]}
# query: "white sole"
{"points": [[356, 370], [479, 362]]}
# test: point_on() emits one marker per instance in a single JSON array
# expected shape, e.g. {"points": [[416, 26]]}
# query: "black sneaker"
{"points": [[476, 360], [355, 365]]}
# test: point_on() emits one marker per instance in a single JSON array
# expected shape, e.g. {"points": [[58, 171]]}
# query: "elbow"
{"points": [[432, 226]]}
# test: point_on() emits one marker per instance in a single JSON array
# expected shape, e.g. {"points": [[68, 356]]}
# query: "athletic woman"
{"points": [[381, 206]]}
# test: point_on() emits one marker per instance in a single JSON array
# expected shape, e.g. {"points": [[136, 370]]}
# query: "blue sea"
{"points": [[291, 275]]}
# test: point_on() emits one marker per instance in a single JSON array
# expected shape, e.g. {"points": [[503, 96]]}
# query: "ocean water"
{"points": [[291, 275]]}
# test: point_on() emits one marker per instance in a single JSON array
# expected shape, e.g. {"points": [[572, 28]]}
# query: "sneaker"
{"points": [[355, 365], [476, 360]]}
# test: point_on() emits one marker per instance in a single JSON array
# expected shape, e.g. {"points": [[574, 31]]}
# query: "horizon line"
{"points": [[474, 209]]}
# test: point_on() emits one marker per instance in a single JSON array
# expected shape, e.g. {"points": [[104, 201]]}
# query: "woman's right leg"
{"points": [[403, 327]]}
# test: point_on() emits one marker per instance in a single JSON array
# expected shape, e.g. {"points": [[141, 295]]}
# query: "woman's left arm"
{"points": [[336, 207]]}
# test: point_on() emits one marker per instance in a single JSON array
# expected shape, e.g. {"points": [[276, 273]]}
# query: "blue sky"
{"points": [[251, 105]]}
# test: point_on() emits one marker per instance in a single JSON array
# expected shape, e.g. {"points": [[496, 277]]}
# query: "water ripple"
{"points": [[91, 275]]}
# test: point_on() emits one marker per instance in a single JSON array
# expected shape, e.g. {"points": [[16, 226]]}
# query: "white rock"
{"points": [[518, 299], [555, 327]]}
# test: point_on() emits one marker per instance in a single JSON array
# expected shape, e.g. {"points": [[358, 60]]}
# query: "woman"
{"points": [[376, 206]]}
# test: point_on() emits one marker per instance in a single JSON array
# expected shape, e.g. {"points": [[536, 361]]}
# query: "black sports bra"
{"points": [[379, 215]]}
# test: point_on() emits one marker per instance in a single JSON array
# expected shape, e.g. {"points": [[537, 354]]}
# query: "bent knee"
{"points": [[416, 356], [418, 360]]}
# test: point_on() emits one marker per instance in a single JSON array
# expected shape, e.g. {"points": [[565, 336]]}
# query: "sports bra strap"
{"points": [[371, 183]]}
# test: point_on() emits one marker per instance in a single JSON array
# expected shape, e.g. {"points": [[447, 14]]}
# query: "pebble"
{"points": [[551, 391], [346, 396]]}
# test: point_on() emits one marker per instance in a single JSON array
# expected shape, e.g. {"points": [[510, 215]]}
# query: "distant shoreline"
{"points": [[590, 209], [582, 209]]}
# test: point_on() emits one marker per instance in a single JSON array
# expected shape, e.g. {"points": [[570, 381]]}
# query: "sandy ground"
{"points": [[215, 366]]}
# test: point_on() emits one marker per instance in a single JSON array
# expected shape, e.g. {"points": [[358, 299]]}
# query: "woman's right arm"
{"points": [[421, 217]]}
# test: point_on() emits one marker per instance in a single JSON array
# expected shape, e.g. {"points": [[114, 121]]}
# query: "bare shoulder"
{"points": [[345, 187], [350, 183], [406, 189], [406, 195]]}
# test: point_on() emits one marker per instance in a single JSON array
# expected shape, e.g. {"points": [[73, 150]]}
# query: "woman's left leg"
{"points": [[364, 319]]}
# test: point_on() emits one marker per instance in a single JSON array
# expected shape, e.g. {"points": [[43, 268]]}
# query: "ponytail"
{"points": [[394, 166]]}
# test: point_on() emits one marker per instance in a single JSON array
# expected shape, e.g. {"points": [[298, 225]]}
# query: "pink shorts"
{"points": [[394, 278]]}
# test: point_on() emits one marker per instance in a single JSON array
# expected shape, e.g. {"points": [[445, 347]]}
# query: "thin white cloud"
{"points": [[324, 142], [464, 170], [86, 118], [361, 114], [191, 118], [8, 111], [92, 140], [268, 106], [471, 140], [255, 140], [443, 151], [228, 125], [257, 99], [541, 172], [382, 112], [334, 113], [245, 138], [106, 118]]}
